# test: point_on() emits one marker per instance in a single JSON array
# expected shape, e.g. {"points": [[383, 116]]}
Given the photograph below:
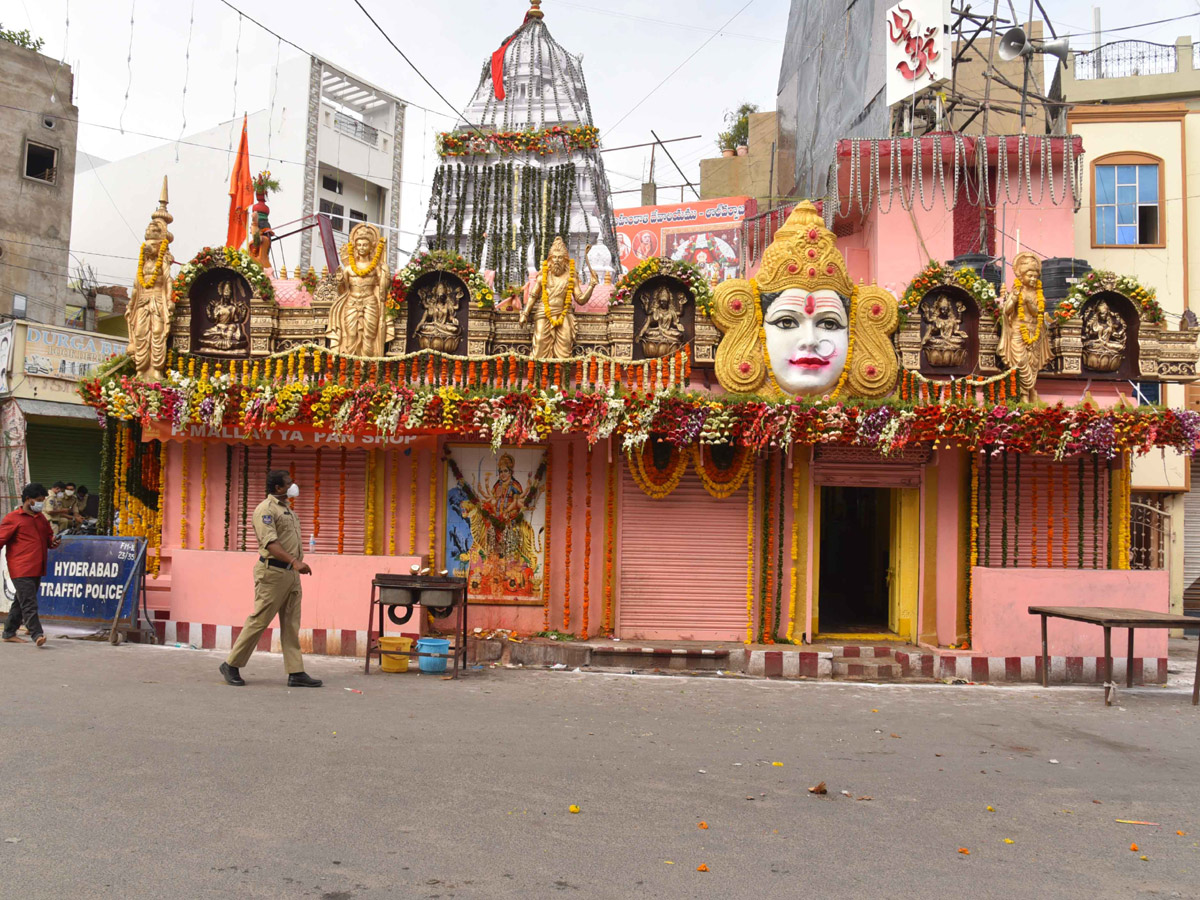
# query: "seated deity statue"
{"points": [[663, 332], [439, 328], [945, 342], [1104, 338], [226, 313]]}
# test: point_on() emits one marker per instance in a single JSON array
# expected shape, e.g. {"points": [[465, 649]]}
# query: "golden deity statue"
{"points": [[663, 331], [1024, 331], [149, 312], [552, 302], [227, 313], [358, 325]]}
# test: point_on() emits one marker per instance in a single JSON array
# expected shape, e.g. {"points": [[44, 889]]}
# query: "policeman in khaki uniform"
{"points": [[276, 584]]}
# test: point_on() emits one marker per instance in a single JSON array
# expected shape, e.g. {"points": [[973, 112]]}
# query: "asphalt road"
{"points": [[136, 772]]}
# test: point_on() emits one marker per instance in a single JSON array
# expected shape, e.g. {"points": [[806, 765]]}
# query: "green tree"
{"points": [[738, 122], [21, 38]]}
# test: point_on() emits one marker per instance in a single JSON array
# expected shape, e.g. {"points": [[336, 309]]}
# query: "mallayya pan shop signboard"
{"points": [[706, 232]]}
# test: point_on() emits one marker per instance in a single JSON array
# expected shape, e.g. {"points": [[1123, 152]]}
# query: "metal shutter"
{"points": [[302, 463], [62, 453], [1191, 544], [1048, 477], [683, 563]]}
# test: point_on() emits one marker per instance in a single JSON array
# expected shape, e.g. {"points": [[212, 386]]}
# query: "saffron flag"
{"points": [[241, 194]]}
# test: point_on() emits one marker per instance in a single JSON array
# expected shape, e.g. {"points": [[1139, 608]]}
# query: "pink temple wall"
{"points": [[215, 586], [949, 473], [1004, 627]]}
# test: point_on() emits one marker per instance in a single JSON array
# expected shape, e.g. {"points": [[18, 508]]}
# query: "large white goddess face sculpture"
{"points": [[808, 338]]}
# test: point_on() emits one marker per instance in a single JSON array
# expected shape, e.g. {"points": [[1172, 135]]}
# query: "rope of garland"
{"points": [[795, 583], [372, 477], [341, 537], [1066, 515], [750, 556], [546, 542], [203, 493], [183, 496], [987, 511], [245, 491], [228, 492], [433, 511], [392, 494], [1017, 510], [566, 620], [587, 544], [1095, 511], [610, 510], [1004, 515], [780, 519], [1079, 558], [764, 574]]}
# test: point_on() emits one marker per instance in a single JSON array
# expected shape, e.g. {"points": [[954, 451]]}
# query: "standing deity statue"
{"points": [[1024, 331], [552, 303], [149, 312], [358, 325]]}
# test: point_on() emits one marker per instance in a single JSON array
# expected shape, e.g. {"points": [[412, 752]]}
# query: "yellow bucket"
{"points": [[394, 663]]}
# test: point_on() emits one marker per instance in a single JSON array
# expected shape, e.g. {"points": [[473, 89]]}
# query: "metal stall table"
{"points": [[441, 595]]}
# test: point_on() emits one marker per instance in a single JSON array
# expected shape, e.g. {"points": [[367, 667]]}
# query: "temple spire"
{"points": [[535, 10]]}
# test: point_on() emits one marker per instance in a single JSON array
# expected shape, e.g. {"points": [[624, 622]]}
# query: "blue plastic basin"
{"points": [[432, 645]]}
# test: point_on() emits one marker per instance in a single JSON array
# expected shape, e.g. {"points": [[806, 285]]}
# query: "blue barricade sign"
{"points": [[92, 577]]}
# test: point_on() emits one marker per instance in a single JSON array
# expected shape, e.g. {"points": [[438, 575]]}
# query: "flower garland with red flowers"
{"points": [[438, 261], [610, 532], [936, 275], [587, 547], [655, 266], [542, 141], [657, 483], [566, 620], [224, 258]]}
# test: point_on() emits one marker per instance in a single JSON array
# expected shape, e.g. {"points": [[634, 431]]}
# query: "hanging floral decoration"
{"points": [[548, 460], [541, 141], [657, 467], [655, 266], [721, 467], [566, 619], [1039, 321], [341, 533], [413, 463], [610, 533], [433, 510], [183, 495], [936, 275], [372, 484], [766, 539], [587, 546], [225, 258], [203, 493], [1143, 298], [482, 294], [750, 556], [393, 495], [795, 582], [142, 280]]}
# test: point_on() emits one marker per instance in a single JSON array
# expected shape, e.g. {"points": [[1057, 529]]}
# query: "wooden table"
{"points": [[1108, 618]]}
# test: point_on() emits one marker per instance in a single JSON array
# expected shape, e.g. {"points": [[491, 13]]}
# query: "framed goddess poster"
{"points": [[496, 521]]}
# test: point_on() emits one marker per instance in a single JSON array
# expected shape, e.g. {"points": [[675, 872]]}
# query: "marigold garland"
{"points": [[546, 543], [183, 495], [566, 626], [721, 483], [750, 556], [1066, 515], [1041, 314], [433, 510], [158, 264], [363, 273], [341, 537], [413, 472], [1033, 504], [393, 492], [974, 547], [316, 527], [795, 582], [568, 298], [372, 478], [610, 530], [655, 483], [587, 546], [203, 493], [780, 520]]}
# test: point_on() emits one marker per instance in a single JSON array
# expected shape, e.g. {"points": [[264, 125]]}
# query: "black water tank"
{"points": [[981, 263], [1055, 272]]}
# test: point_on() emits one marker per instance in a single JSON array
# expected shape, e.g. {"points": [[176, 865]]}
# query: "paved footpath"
{"points": [[135, 772]]}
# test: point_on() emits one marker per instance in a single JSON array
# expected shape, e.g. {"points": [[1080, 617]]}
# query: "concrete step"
{"points": [[859, 668], [865, 651]]}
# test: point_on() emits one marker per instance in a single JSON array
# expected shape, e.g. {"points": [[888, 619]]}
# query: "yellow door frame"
{"points": [[904, 567]]}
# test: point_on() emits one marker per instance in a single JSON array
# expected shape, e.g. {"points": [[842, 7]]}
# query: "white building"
{"points": [[333, 141]]}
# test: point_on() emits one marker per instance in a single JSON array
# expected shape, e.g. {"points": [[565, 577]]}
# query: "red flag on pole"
{"points": [[241, 194]]}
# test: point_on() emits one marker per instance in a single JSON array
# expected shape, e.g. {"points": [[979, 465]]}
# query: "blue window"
{"points": [[1127, 202]]}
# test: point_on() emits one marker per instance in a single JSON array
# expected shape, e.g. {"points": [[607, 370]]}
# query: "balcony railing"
{"points": [[356, 129], [1125, 59]]}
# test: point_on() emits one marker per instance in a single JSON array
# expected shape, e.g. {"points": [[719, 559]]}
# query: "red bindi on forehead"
{"points": [[810, 304]]}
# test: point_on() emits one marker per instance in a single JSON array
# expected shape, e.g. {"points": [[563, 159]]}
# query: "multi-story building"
{"points": [[37, 176], [332, 140], [1136, 105]]}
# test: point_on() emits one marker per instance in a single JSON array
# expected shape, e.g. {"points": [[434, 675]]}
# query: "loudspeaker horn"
{"points": [[1014, 44], [1059, 48]]}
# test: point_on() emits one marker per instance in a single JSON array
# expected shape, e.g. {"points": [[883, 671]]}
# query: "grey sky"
{"points": [[628, 48]]}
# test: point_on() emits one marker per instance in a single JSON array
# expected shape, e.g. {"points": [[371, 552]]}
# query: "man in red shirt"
{"points": [[27, 535]]}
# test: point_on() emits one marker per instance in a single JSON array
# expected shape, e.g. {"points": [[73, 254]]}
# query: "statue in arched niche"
{"points": [[1024, 331]]}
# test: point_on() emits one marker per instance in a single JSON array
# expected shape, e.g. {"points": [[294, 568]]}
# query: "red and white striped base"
{"points": [[321, 641]]}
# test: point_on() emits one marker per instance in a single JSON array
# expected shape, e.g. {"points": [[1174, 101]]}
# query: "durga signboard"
{"points": [[918, 50]]}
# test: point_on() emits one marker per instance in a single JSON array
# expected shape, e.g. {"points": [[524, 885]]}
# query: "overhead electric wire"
{"points": [[671, 74], [413, 65]]}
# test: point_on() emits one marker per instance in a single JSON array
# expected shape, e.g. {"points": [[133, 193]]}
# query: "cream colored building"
{"points": [[1137, 107]]}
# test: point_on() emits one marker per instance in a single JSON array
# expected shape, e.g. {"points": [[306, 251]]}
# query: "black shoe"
{"points": [[232, 675], [301, 679]]}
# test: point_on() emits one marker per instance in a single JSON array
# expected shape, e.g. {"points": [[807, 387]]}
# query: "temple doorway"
{"points": [[856, 574]]}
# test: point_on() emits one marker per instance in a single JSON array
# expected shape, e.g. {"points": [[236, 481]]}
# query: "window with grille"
{"points": [[335, 212], [1127, 197]]}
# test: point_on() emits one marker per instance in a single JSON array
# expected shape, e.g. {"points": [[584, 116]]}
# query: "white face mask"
{"points": [[294, 491], [37, 506], [69, 492]]}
